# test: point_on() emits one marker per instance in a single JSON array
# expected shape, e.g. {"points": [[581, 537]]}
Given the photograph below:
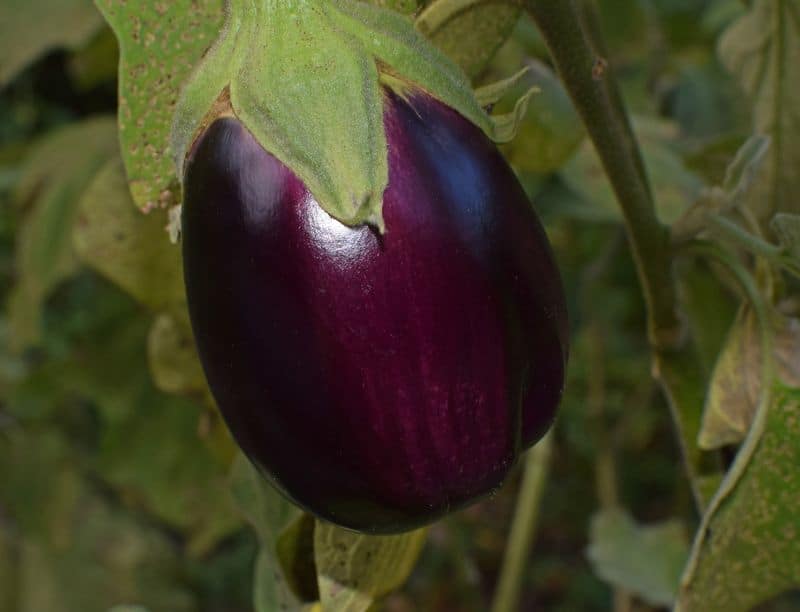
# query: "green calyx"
{"points": [[306, 78]]}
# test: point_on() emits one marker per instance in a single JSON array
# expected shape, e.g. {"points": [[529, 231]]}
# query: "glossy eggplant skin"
{"points": [[380, 381]]}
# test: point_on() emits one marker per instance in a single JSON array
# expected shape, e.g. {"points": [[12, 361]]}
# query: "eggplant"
{"points": [[380, 380]]}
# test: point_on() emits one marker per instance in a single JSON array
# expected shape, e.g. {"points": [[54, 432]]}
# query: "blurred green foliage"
{"points": [[121, 486]]}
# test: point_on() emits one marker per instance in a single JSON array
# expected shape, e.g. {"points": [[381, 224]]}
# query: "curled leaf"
{"points": [[735, 386], [354, 569]]}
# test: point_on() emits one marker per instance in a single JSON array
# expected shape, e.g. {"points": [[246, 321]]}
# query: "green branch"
{"points": [[523, 527], [570, 30]]}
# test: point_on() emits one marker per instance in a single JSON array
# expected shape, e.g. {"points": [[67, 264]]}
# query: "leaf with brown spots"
{"points": [[749, 551], [160, 44]]}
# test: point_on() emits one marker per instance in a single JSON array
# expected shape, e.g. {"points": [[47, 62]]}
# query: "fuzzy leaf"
{"points": [[646, 560], [128, 247], [761, 48], [354, 569], [412, 57], [52, 180], [406, 7], [748, 553], [160, 44], [492, 93], [313, 96], [29, 28]]}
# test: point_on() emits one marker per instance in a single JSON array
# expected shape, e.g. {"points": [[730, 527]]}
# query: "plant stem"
{"points": [[523, 527], [570, 30]]}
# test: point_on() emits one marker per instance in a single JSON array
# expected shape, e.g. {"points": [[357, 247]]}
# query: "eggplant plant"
{"points": [[315, 276]]}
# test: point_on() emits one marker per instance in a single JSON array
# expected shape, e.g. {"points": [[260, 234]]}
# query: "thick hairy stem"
{"points": [[570, 30]]}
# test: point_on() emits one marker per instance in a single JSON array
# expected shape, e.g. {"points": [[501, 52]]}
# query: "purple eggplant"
{"points": [[380, 380]]}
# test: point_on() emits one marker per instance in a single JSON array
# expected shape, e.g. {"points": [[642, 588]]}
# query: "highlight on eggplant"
{"points": [[380, 380]]}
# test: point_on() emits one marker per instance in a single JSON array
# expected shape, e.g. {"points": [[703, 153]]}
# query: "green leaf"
{"points": [[490, 94], [406, 7], [52, 180], [271, 592], [128, 247], [313, 96], [468, 32], [748, 552], [787, 227], [269, 512], [744, 169], [552, 129], [711, 160], [742, 176], [146, 445], [354, 570], [295, 552], [29, 28], [160, 44], [761, 49], [75, 551], [156, 459], [274, 519], [674, 186], [735, 386], [173, 357], [646, 560]]}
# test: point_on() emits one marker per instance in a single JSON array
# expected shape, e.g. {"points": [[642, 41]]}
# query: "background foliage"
{"points": [[120, 483]]}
